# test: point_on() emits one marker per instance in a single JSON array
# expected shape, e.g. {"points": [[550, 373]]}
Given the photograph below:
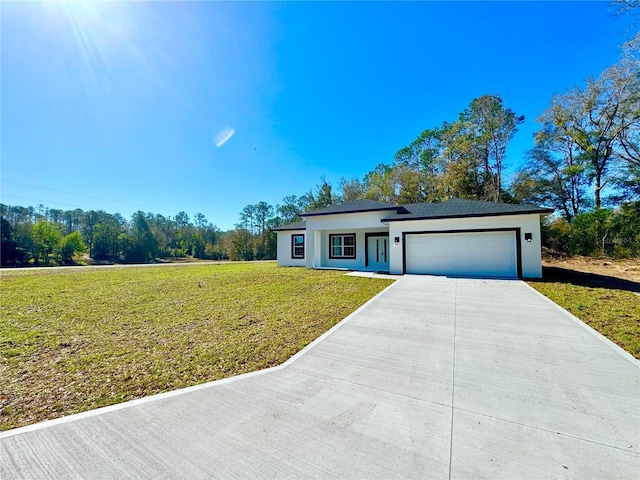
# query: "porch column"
{"points": [[317, 248]]}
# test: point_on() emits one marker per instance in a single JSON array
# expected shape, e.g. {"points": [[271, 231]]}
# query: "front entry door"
{"points": [[378, 252]]}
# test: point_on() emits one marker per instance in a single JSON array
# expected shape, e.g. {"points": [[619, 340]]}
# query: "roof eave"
{"points": [[542, 211], [290, 227], [312, 214]]}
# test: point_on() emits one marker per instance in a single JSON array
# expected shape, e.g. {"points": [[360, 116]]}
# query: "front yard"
{"points": [[76, 339]]}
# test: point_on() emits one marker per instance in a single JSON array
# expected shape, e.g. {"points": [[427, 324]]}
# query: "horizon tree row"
{"points": [[44, 236]]}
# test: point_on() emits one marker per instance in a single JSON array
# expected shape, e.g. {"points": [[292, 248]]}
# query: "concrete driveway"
{"points": [[435, 378]]}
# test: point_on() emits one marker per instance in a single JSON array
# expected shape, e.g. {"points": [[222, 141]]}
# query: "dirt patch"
{"points": [[628, 269]]}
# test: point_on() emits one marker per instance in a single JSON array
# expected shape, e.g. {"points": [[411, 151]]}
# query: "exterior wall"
{"points": [[319, 228], [284, 249], [531, 252], [357, 263]]}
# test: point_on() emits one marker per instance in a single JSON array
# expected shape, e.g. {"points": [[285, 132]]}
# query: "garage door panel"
{"points": [[490, 254]]}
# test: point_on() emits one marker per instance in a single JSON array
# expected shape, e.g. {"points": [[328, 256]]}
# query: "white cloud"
{"points": [[224, 136]]}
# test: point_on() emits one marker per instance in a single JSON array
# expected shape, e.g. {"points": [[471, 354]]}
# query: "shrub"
{"points": [[601, 232]]}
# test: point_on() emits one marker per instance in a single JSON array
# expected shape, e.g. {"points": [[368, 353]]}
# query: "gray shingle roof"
{"points": [[453, 208], [457, 207], [291, 226], [353, 207]]}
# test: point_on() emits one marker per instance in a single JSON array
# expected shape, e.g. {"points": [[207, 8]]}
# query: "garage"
{"points": [[483, 254]]}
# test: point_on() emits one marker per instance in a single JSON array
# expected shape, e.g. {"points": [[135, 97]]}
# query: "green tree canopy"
{"points": [[70, 245]]}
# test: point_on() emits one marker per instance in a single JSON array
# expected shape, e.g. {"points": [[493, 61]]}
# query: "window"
{"points": [[297, 246], [342, 246]]}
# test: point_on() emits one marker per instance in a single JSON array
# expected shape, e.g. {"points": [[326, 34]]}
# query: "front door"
{"points": [[378, 252]]}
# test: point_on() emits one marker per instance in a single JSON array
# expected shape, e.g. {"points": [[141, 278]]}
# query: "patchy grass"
{"points": [[607, 304], [77, 339]]}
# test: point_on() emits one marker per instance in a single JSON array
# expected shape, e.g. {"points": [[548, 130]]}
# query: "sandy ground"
{"points": [[628, 269]]}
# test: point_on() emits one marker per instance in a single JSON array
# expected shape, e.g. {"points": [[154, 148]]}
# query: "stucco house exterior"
{"points": [[455, 237]]}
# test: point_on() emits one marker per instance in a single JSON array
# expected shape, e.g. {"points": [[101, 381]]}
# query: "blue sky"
{"points": [[125, 106]]}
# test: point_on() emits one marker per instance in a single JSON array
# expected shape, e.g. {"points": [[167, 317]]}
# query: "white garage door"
{"points": [[486, 254]]}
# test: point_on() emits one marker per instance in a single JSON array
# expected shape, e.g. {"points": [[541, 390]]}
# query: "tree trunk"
{"points": [[598, 187]]}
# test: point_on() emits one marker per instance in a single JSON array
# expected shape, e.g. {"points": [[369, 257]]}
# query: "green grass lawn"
{"points": [[76, 339], [614, 312]]}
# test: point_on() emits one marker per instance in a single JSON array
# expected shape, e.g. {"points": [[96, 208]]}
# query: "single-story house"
{"points": [[454, 237]]}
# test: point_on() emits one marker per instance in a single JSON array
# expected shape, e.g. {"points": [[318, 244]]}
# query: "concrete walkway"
{"points": [[435, 378]]}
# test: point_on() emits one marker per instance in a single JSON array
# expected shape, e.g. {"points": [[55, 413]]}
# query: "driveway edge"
{"points": [[588, 328]]}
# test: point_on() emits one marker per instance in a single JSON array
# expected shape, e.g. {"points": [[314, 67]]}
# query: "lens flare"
{"points": [[224, 136]]}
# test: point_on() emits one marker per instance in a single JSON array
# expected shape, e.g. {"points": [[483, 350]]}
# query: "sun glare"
{"points": [[105, 34]]}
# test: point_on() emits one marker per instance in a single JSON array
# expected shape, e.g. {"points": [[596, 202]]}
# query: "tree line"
{"points": [[43, 236], [585, 163]]}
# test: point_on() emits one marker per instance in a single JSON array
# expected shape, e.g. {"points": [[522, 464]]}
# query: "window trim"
{"points": [[343, 235], [293, 246]]}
